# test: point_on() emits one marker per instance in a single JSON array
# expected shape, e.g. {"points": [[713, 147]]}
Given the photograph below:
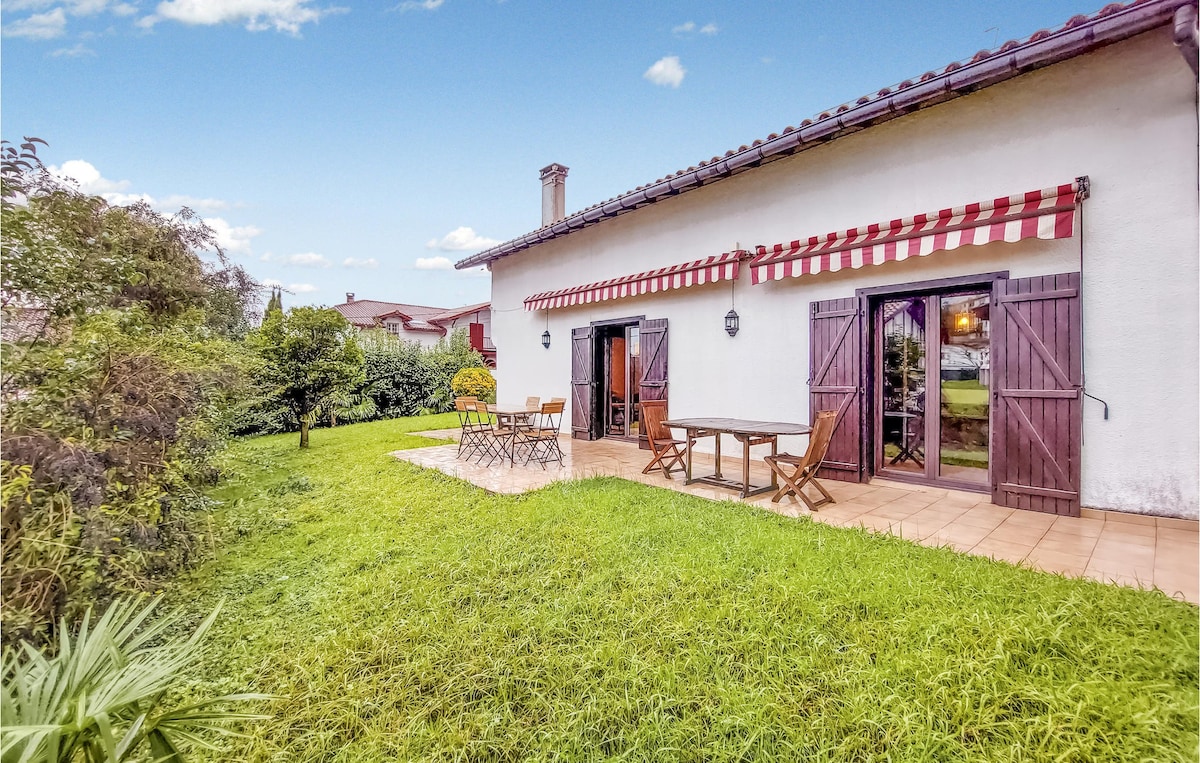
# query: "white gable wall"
{"points": [[1125, 115]]}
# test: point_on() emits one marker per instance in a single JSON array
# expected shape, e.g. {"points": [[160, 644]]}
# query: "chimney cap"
{"points": [[553, 169], [349, 297]]}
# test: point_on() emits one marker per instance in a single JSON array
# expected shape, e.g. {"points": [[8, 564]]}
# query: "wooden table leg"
{"points": [[717, 471], [688, 461], [774, 452], [745, 466]]}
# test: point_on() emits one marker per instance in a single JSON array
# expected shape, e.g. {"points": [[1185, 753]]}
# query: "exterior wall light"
{"points": [[546, 339], [731, 322]]}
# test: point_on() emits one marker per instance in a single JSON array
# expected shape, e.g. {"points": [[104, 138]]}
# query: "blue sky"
{"points": [[364, 147]]}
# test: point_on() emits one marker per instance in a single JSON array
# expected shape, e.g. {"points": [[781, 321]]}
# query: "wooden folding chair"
{"points": [[471, 435], [542, 438], [667, 451], [803, 469]]}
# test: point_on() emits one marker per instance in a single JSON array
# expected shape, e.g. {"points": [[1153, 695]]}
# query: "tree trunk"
{"points": [[303, 434]]}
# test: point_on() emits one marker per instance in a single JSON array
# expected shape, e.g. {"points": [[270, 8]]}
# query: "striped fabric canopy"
{"points": [[1045, 214], [721, 267]]}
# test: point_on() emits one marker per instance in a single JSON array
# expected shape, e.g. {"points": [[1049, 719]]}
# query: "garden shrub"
{"points": [[474, 382], [118, 400]]}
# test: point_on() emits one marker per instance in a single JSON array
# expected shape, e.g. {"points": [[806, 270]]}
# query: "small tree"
{"points": [[310, 360]]}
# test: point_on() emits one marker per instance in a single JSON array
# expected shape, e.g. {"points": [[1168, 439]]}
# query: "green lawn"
{"points": [[405, 615]]}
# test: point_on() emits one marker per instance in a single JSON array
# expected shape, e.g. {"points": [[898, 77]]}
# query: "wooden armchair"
{"points": [[798, 471], [666, 449]]}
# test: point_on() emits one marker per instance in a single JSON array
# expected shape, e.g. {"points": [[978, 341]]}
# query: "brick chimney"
{"points": [[349, 297], [554, 196]]}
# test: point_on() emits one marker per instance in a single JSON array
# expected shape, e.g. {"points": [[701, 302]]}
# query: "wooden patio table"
{"points": [[748, 433]]}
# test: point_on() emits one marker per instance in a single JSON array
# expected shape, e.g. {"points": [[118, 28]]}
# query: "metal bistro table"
{"points": [[512, 416], [748, 433]]}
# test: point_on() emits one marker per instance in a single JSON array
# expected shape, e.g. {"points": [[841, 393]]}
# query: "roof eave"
{"points": [[1053, 48]]}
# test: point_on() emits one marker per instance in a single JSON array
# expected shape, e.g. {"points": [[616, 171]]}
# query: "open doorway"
{"points": [[621, 375]]}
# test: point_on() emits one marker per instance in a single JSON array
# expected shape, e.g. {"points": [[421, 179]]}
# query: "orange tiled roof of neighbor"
{"points": [[1079, 35], [366, 312]]}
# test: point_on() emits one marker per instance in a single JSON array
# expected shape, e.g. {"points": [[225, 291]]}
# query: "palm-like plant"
{"points": [[99, 696]]}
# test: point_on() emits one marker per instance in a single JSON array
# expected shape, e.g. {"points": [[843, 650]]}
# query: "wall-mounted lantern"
{"points": [[546, 339], [731, 322]]}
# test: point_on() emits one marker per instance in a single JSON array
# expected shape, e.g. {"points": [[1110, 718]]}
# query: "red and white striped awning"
{"points": [[721, 267], [1045, 214]]}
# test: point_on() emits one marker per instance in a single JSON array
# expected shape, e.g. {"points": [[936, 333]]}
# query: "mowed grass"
{"points": [[404, 615]]}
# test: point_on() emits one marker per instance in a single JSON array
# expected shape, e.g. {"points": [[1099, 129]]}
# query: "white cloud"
{"points": [[39, 26], [175, 201], [462, 239], [688, 27], [75, 51], [420, 5], [434, 263], [89, 180], [306, 260], [232, 238], [666, 71], [296, 288], [354, 262], [257, 15], [87, 177]]}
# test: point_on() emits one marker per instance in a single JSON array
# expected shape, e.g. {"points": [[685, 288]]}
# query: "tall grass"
{"points": [[406, 615]]}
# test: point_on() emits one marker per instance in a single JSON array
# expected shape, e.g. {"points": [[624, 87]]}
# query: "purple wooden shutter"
{"points": [[1037, 393], [583, 397], [835, 341], [653, 384]]}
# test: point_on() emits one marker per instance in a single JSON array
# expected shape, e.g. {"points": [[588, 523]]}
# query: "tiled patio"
{"points": [[1107, 546]]}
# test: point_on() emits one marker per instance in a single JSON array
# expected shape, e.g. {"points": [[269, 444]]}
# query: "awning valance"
{"points": [[1046, 214], [721, 267]]}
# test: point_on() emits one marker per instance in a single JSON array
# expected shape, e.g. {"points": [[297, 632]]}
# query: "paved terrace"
{"points": [[1107, 546]]}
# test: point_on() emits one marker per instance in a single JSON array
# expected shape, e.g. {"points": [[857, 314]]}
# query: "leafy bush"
{"points": [[397, 377], [117, 401], [474, 382], [99, 695], [444, 360]]}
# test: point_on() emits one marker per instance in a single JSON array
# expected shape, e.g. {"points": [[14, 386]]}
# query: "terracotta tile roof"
{"points": [[1079, 35], [367, 313], [363, 312], [458, 312]]}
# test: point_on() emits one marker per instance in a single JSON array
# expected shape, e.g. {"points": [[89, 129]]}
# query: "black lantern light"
{"points": [[731, 322], [546, 339], [731, 317]]}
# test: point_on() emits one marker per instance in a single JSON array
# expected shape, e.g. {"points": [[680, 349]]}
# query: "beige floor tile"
{"points": [[1177, 536], [1017, 533], [1133, 519], [1178, 585], [1036, 519], [1055, 561], [1067, 544], [1001, 549], [1128, 530], [1122, 568], [967, 536], [1174, 523], [984, 516], [1077, 526]]}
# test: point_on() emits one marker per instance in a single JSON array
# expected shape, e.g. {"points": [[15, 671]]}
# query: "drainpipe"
{"points": [[1185, 35]]}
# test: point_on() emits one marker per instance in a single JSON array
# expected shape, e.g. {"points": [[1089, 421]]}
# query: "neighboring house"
{"points": [[421, 323], [981, 174]]}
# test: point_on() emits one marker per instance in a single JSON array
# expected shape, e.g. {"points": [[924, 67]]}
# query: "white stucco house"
{"points": [[422, 323], [990, 271]]}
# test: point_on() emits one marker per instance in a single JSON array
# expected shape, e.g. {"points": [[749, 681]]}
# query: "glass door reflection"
{"points": [[902, 382], [965, 370]]}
